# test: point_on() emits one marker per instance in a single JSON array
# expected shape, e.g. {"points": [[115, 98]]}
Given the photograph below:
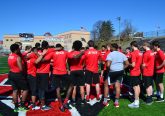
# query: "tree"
{"points": [[102, 30], [95, 31], [128, 30], [106, 31]]}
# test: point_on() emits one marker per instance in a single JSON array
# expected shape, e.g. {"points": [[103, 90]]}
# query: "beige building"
{"points": [[66, 39]]}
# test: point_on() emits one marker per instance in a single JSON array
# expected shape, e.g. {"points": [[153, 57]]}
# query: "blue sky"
{"points": [[56, 16]]}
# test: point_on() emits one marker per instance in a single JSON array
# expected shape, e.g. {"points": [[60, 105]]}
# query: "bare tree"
{"points": [[128, 30]]}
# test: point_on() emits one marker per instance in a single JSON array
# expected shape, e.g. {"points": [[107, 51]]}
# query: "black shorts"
{"points": [[32, 82], [91, 77], [42, 81], [116, 76], [106, 74], [158, 78], [18, 81], [135, 80], [60, 81], [147, 81], [77, 78], [102, 66]]}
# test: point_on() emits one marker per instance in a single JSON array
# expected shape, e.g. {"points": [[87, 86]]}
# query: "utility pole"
{"points": [[119, 19]]}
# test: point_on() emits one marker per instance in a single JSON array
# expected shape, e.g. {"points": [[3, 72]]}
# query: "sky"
{"points": [[56, 16]]}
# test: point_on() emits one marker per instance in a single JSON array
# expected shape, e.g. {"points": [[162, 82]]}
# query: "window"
{"points": [[11, 40], [40, 40], [7, 40]]}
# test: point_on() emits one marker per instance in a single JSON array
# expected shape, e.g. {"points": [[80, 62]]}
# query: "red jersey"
{"points": [[148, 60], [59, 61], [159, 58], [44, 67], [103, 55], [136, 57], [92, 57], [75, 63], [31, 66], [164, 66], [12, 62]]}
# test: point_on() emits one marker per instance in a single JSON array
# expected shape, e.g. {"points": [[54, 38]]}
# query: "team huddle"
{"points": [[31, 70]]}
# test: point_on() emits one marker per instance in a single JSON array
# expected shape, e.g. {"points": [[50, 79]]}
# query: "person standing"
{"points": [[43, 69], [159, 70], [116, 63], [31, 76], [16, 77], [76, 67], [135, 73], [92, 57], [148, 71]]}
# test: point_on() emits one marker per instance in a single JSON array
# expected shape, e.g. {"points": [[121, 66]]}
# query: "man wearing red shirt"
{"points": [[31, 77], [159, 70], [43, 69], [92, 57], [103, 59], [60, 74], [148, 71], [136, 61], [16, 77], [77, 73]]}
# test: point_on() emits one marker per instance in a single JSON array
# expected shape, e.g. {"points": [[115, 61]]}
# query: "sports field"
{"points": [[3, 65], [156, 109]]}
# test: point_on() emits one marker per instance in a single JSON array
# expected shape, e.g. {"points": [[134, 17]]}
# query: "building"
{"points": [[66, 39]]}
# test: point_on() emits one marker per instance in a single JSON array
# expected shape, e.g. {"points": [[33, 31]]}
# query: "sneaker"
{"points": [[66, 106], [35, 108], [87, 98], [116, 104], [43, 108], [106, 104], [132, 105], [16, 109], [160, 99], [82, 102], [149, 101], [62, 109], [73, 103]]}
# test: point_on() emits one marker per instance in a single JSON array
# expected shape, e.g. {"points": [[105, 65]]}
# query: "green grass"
{"points": [[3, 65], [156, 109]]}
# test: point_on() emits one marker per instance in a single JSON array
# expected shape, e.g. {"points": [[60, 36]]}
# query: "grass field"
{"points": [[3, 65], [156, 109]]}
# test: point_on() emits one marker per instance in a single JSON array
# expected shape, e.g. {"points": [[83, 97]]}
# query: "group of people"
{"points": [[30, 72]]}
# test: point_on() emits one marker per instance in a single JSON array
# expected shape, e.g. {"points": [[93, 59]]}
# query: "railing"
{"points": [[154, 34]]}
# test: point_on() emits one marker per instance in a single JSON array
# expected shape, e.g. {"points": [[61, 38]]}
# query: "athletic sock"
{"points": [[161, 95], [105, 100], [116, 100], [136, 102]]}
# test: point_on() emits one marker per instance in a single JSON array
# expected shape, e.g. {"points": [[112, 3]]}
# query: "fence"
{"points": [[154, 34]]}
